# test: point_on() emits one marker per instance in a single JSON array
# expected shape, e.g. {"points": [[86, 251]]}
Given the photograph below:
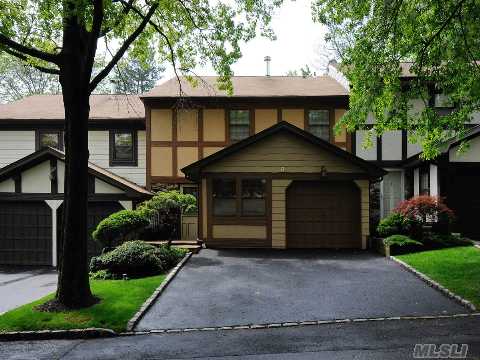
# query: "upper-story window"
{"points": [[319, 123], [239, 124], [441, 102], [123, 148], [49, 138]]}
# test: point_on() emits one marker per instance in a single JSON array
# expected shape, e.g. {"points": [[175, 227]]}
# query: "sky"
{"points": [[297, 44]]}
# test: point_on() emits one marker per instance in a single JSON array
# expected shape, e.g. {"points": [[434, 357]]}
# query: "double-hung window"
{"points": [[239, 197], [319, 123], [253, 197], [123, 148], [239, 125], [224, 197]]}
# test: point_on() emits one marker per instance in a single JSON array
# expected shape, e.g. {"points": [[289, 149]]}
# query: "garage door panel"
{"points": [[323, 215], [25, 233]]}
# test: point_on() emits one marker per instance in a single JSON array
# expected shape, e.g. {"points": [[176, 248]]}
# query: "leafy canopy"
{"points": [[439, 38]]}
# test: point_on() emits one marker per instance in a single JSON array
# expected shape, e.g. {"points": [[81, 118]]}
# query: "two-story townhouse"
{"points": [[265, 162], [32, 171]]}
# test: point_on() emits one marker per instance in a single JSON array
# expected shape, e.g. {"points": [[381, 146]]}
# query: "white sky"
{"points": [[297, 44]]}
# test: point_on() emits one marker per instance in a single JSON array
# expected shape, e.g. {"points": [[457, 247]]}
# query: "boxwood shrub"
{"points": [[400, 240], [115, 228], [397, 223], [136, 259]]}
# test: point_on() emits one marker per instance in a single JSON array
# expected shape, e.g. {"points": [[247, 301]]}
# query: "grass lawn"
{"points": [[120, 300], [458, 269]]}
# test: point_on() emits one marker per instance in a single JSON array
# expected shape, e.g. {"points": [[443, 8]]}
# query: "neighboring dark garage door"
{"points": [[97, 211], [463, 198], [323, 215], [25, 233]]}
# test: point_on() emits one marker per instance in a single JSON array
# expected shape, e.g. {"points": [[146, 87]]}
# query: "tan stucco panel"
{"points": [[187, 125], [207, 151], [279, 221], [283, 153], [161, 125], [214, 125], [239, 232], [342, 136], [161, 161], [364, 186], [185, 156], [294, 116], [264, 118]]}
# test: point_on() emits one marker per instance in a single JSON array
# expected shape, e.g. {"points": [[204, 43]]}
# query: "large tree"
{"points": [[439, 39], [61, 38]]}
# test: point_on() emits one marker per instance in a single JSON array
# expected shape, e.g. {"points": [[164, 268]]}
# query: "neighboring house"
{"points": [[116, 135], [31, 198]]}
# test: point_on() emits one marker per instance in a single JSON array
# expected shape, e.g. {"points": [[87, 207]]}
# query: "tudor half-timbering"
{"points": [[187, 125], [31, 198]]}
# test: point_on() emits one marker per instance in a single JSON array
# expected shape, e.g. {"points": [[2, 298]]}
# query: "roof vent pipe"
{"points": [[267, 60]]}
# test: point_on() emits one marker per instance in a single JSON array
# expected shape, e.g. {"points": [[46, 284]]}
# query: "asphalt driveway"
{"points": [[237, 287], [19, 286]]}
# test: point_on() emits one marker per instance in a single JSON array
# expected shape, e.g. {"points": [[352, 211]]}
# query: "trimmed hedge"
{"points": [[136, 259], [113, 229], [397, 223], [400, 240]]}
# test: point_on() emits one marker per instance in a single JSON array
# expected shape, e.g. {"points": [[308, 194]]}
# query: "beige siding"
{"points": [[15, 145], [364, 186], [294, 116], [185, 156], [214, 125], [207, 151], [7, 186], [37, 179], [239, 232], [161, 161], [187, 125], [161, 125], [264, 118], [204, 209], [282, 153], [279, 188]]}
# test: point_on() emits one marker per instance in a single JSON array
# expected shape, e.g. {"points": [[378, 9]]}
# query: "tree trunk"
{"points": [[73, 284]]}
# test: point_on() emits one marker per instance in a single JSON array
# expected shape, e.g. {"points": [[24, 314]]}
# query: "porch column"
{"points": [[434, 187], [54, 205], [416, 182]]}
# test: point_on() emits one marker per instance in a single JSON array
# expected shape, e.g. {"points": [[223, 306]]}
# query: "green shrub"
{"points": [[117, 226], [171, 200], [397, 223], [136, 259], [447, 239], [400, 240], [102, 275]]}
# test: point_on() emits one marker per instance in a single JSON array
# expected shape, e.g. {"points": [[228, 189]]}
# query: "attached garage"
{"points": [[31, 206], [25, 233], [283, 188], [323, 214]]}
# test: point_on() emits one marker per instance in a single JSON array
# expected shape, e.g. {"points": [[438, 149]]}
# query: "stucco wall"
{"points": [[294, 116], [264, 118], [214, 125]]}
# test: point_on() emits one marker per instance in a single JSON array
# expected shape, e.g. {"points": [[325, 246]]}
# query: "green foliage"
{"points": [[400, 240], [118, 225], [101, 275], [396, 223], [447, 239], [136, 259], [440, 41], [171, 200]]}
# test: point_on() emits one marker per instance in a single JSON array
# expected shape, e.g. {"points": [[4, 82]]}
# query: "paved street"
{"points": [[235, 287], [383, 340], [19, 286]]}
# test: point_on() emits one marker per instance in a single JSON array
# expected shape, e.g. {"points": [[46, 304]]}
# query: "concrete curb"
{"points": [[298, 323], [148, 303], [88, 333], [435, 285]]}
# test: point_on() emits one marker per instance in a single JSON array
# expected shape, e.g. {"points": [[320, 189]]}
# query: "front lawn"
{"points": [[457, 268], [120, 300]]}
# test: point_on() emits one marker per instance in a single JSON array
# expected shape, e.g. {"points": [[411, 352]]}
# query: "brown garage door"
{"points": [[323, 215], [97, 211], [25, 233]]}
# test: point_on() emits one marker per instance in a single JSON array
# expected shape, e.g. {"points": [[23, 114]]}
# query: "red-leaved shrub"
{"points": [[427, 209]]}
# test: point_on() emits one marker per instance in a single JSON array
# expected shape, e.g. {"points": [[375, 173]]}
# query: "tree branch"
{"points": [[38, 67], [116, 58], [125, 12], [22, 49], [98, 13]]}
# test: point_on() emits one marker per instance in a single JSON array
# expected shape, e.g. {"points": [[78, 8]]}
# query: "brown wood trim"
{"points": [[53, 176], [170, 180], [148, 138], [240, 220], [174, 143], [47, 196], [252, 121], [349, 140], [188, 143], [279, 115], [293, 175], [18, 183], [200, 133], [331, 115]]}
